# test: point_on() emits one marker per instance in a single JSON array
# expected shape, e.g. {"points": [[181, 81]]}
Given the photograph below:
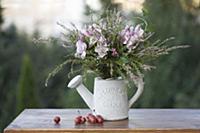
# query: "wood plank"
{"points": [[140, 121]]}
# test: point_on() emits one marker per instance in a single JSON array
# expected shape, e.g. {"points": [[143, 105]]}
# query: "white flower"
{"points": [[80, 49], [101, 50]]}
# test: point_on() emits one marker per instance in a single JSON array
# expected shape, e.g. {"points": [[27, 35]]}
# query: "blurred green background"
{"points": [[175, 83]]}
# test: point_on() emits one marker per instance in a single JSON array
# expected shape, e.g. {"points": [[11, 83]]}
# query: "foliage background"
{"points": [[174, 84]]}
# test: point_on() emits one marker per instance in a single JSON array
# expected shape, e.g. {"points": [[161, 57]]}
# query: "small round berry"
{"points": [[91, 119], [79, 117], [78, 120], [56, 119], [99, 119], [83, 120]]}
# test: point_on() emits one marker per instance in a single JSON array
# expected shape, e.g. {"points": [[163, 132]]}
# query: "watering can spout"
{"points": [[87, 96]]}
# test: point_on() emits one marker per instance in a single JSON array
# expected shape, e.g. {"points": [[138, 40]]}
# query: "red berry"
{"points": [[78, 120], [79, 117], [83, 120], [100, 116], [57, 119], [91, 119], [99, 119]]}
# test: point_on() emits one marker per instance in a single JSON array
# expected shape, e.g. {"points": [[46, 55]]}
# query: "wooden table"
{"points": [[140, 121]]}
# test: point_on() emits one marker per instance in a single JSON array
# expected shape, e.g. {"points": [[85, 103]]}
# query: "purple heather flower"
{"points": [[80, 49], [101, 50]]}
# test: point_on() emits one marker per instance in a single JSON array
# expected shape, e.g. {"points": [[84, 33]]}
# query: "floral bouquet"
{"points": [[111, 47]]}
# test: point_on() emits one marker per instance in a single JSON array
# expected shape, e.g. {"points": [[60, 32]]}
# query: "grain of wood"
{"points": [[140, 121]]}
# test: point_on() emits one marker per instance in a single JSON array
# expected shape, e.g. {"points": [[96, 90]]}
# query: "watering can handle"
{"points": [[138, 80]]}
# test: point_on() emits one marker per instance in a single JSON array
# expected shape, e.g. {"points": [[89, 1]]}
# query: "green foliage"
{"points": [[8, 75], [1, 17], [175, 82], [109, 5], [27, 96], [13, 47]]}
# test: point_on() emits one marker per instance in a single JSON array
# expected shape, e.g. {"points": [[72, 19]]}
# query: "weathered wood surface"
{"points": [[140, 121]]}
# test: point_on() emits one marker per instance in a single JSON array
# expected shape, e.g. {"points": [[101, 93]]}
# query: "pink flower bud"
{"points": [[114, 52]]}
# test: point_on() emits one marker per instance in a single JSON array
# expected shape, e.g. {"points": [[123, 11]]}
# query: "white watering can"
{"points": [[110, 98]]}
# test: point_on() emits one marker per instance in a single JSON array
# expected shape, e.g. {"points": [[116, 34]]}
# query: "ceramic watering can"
{"points": [[110, 98]]}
